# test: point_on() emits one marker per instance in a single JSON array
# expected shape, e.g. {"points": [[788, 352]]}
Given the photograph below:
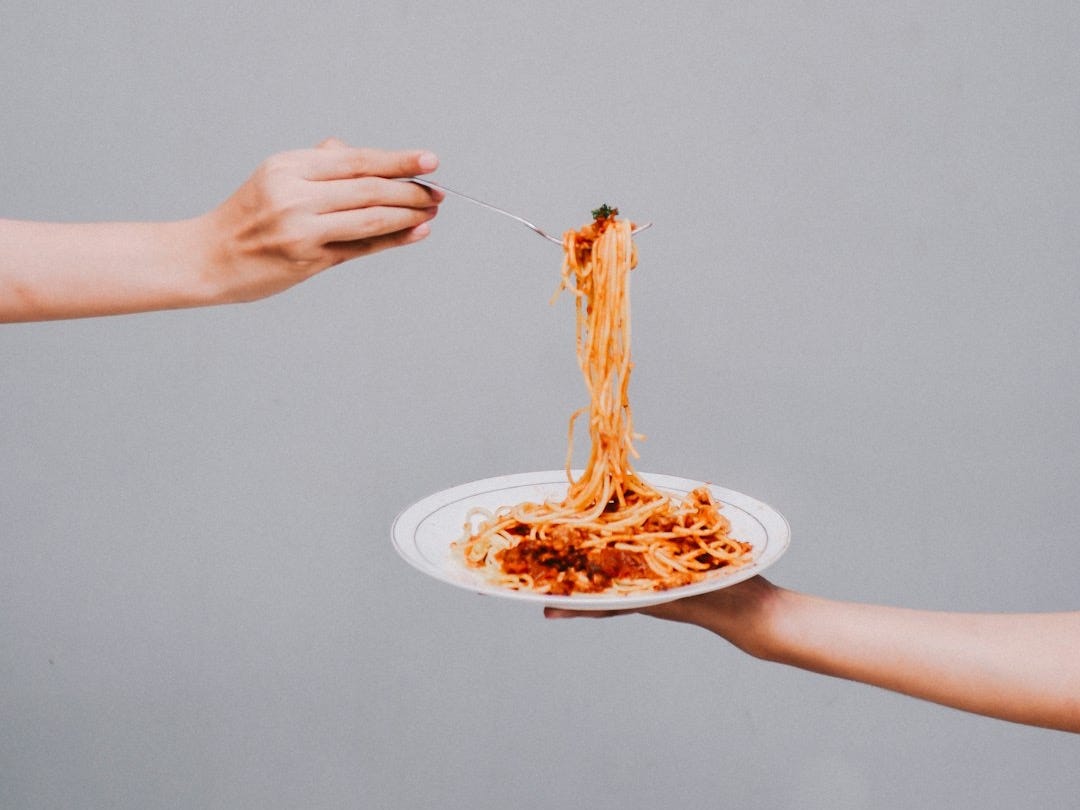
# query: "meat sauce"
{"points": [[563, 563]]}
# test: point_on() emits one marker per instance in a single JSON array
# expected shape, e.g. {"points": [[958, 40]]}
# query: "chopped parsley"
{"points": [[605, 211]]}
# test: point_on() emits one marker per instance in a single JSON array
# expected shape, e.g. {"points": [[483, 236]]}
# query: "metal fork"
{"points": [[431, 184]]}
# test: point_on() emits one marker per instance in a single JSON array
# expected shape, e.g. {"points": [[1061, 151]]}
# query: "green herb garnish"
{"points": [[605, 211]]}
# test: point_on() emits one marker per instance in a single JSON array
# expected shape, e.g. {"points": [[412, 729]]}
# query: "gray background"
{"points": [[859, 304]]}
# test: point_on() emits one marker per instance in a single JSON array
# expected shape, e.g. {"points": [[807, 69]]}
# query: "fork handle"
{"points": [[432, 184]]}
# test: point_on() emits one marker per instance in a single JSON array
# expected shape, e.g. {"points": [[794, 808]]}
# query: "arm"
{"points": [[1019, 667], [298, 214]]}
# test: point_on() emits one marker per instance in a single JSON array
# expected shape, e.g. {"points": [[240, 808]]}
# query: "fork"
{"points": [[431, 184]]}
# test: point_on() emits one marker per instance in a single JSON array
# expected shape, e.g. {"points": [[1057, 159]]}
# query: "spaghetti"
{"points": [[612, 533]]}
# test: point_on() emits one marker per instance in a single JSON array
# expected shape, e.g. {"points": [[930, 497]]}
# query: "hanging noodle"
{"points": [[612, 533]]}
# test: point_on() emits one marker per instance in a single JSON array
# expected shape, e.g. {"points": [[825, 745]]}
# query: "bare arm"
{"points": [[298, 214], [1019, 667]]}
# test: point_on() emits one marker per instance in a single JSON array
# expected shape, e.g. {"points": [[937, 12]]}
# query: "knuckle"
{"points": [[281, 207], [294, 242], [281, 163], [283, 194], [365, 191], [377, 222], [362, 160]]}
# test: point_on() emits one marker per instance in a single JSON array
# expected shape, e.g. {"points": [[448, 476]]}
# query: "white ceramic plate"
{"points": [[424, 531]]}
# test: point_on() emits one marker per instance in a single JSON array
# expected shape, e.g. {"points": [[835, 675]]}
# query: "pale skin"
{"points": [[1019, 667], [298, 214]]}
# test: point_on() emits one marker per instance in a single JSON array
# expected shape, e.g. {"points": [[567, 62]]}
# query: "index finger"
{"points": [[340, 163]]}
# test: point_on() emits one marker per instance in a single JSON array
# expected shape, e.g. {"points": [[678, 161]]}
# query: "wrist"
{"points": [[210, 259], [753, 615], [774, 631]]}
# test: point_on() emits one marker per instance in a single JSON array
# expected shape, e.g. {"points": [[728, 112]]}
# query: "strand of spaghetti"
{"points": [[611, 531]]}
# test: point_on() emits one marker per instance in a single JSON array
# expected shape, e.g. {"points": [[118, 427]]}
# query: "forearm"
{"points": [[1019, 667], [298, 214], [59, 270]]}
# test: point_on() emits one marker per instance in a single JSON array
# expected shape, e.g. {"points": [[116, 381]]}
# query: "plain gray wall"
{"points": [[859, 303]]}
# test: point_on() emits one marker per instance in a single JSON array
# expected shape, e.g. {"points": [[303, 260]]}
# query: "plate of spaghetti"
{"points": [[603, 536], [432, 535]]}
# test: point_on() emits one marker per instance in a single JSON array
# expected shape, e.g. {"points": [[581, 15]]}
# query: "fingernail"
{"points": [[421, 230], [428, 161]]}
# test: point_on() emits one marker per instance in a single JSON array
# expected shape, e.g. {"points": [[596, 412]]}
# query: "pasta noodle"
{"points": [[612, 533]]}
